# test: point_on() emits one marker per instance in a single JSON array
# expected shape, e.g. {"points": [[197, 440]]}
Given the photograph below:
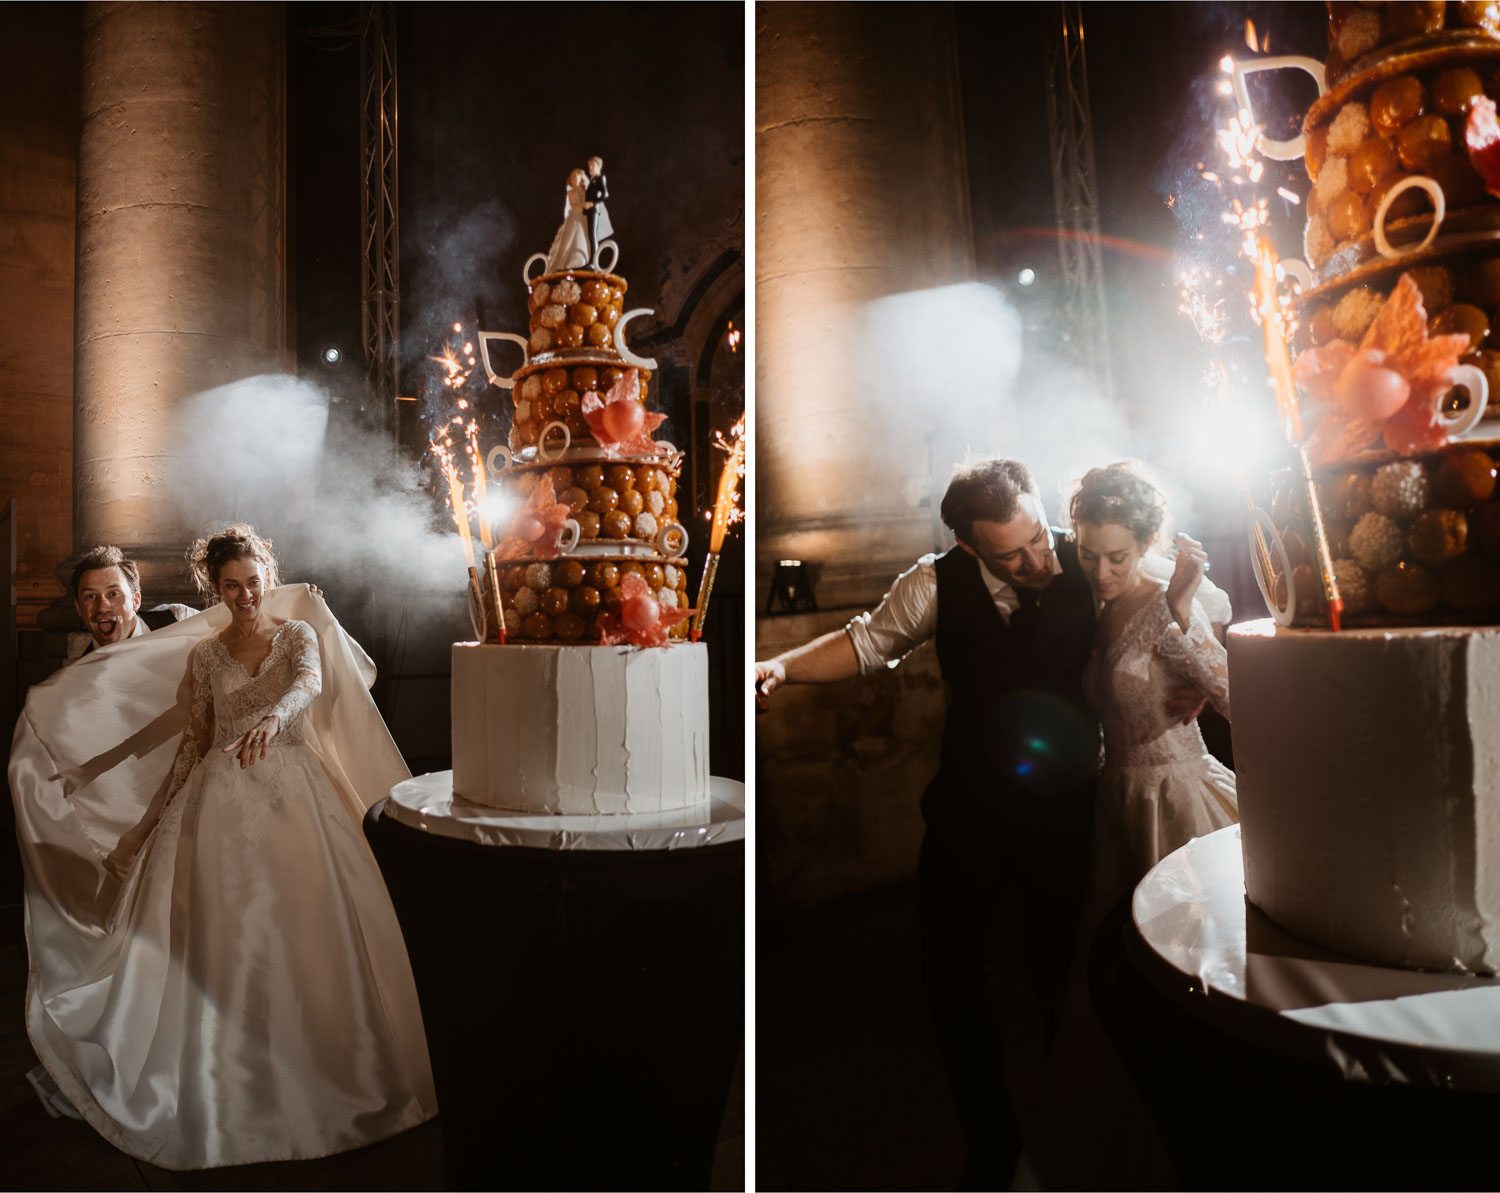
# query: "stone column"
{"points": [[181, 253], [861, 192]]}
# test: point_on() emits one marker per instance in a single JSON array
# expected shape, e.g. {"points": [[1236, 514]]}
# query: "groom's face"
{"points": [[107, 604], [1019, 551]]}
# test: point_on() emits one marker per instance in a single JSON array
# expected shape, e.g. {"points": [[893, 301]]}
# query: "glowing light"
{"points": [[481, 482], [332, 356], [1026, 277], [1270, 307]]}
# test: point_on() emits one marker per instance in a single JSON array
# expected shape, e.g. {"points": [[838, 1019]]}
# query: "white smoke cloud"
{"points": [[344, 510]]}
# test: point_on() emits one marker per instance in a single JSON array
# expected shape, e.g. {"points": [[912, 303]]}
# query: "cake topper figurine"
{"points": [[595, 192], [571, 248], [585, 227]]}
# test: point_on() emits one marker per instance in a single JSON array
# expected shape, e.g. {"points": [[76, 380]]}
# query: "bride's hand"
{"points": [[1192, 562], [252, 743]]}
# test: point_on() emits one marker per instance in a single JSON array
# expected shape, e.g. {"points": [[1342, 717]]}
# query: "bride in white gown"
{"points": [[1160, 787], [217, 974]]}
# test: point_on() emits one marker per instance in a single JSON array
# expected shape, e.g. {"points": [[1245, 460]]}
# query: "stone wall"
{"points": [[840, 772], [38, 166]]}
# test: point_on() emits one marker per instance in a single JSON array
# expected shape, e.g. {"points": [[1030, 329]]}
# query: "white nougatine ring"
{"points": [[526, 269], [571, 534], [541, 442], [498, 450], [614, 256], [672, 539], [1281, 151], [626, 354], [1478, 385], [1439, 211], [1298, 272], [1262, 521]]}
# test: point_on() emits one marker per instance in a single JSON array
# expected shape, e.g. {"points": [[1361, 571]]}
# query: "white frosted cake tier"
{"points": [[1368, 768], [581, 730]]}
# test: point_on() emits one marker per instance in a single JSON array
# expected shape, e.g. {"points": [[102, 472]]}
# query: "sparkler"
{"points": [[1248, 216], [1274, 324], [442, 448], [726, 513]]}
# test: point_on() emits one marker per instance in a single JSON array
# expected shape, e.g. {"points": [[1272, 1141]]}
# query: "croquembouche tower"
{"points": [[1397, 348], [1365, 716], [584, 695], [596, 494]]}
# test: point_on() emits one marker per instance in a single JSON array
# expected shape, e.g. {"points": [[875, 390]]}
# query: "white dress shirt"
{"points": [[907, 615]]}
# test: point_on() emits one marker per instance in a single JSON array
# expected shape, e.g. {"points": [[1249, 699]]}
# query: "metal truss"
{"points": [[1075, 187], [380, 275]]}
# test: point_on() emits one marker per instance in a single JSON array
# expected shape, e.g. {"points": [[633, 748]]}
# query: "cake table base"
{"points": [[1270, 1062], [582, 986]]}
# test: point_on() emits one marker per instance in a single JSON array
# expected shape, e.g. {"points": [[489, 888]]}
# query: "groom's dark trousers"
{"points": [[1008, 820]]}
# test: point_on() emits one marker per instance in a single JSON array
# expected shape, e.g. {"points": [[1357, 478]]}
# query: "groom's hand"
{"points": [[768, 677], [1185, 704]]}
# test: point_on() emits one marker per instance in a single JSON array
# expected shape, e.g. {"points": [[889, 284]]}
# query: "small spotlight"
{"points": [[1026, 277], [331, 357]]}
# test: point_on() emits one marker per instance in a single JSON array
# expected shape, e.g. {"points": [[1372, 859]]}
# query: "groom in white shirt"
{"points": [[1008, 814]]}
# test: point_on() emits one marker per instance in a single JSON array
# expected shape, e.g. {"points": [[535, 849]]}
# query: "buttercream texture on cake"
{"points": [[580, 730], [1368, 769]]}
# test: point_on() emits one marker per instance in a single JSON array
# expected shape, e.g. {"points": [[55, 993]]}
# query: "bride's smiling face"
{"points": [[241, 586], [1110, 557]]}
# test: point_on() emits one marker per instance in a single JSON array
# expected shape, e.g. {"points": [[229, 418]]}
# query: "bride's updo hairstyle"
{"points": [[1119, 494], [207, 557]]}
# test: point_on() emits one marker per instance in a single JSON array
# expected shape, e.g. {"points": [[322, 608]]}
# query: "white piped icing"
{"points": [[1368, 768], [580, 730]]}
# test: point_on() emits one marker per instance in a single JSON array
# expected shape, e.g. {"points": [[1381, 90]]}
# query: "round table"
{"points": [[1269, 1062], [581, 981]]}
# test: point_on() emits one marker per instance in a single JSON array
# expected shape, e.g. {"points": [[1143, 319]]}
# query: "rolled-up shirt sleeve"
{"points": [[905, 618]]}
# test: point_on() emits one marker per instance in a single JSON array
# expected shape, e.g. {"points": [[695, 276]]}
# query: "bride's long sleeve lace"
{"points": [[200, 731], [1198, 656], [307, 674]]}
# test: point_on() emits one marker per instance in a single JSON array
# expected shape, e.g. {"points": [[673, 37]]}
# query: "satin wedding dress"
{"points": [[217, 974], [1160, 787]]}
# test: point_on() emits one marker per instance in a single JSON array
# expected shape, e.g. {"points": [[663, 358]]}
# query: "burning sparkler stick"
{"points": [[726, 511], [1286, 403], [489, 566]]}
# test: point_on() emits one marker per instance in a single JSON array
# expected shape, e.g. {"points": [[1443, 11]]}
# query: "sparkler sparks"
{"points": [[442, 448], [727, 510]]}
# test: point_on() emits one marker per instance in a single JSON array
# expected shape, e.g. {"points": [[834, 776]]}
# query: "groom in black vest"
{"points": [[1008, 814]]}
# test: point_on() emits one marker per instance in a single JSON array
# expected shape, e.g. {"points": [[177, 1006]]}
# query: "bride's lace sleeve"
{"points": [[307, 674], [1197, 655], [200, 731]]}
